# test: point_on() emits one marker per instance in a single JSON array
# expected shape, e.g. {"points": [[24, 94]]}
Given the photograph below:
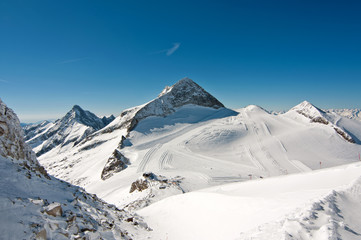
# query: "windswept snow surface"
{"points": [[324, 204]]}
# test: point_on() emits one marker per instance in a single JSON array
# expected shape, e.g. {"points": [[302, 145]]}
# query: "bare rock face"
{"points": [[139, 185], [116, 163], [12, 143]]}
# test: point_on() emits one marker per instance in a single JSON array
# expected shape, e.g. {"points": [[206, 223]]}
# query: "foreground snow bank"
{"points": [[262, 209]]}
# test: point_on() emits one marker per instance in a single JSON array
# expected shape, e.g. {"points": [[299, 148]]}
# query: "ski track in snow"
{"points": [[147, 158], [165, 161], [255, 161], [261, 153]]}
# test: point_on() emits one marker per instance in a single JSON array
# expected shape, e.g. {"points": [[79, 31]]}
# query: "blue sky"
{"points": [[110, 55]]}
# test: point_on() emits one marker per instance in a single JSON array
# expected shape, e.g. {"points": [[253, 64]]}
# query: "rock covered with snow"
{"points": [[310, 111], [12, 143], [150, 188], [317, 115], [31, 130], [184, 92], [75, 126], [116, 163], [33, 206]]}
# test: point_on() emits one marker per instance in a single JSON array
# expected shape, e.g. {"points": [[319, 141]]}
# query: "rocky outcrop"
{"points": [[34, 207], [153, 188], [116, 163], [54, 210], [107, 120], [12, 143], [317, 115]]}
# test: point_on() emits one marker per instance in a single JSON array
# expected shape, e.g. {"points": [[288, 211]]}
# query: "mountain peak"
{"points": [[307, 108], [186, 80], [186, 91], [77, 108]]}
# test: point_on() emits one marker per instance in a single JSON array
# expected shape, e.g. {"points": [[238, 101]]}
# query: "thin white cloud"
{"points": [[173, 49], [3, 80], [72, 60], [168, 51]]}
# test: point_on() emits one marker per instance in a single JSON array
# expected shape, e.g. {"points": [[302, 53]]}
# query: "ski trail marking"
{"points": [[147, 157]]}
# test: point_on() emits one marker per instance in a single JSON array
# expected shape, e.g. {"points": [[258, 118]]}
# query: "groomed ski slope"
{"points": [[323, 204]]}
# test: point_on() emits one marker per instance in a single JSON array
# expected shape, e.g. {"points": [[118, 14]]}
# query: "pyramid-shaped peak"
{"points": [[306, 106], [186, 91], [186, 83], [82, 116], [309, 110], [181, 85], [77, 107], [186, 80]]}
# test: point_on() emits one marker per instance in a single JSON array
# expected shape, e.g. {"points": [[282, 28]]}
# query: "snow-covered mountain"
{"points": [[193, 141], [317, 115], [173, 157], [66, 132], [349, 113], [35, 205]]}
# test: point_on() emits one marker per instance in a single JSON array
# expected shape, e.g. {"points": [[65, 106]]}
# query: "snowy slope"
{"points": [[201, 146], [324, 204], [34, 205]]}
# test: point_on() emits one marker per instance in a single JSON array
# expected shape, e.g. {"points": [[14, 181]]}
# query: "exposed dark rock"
{"points": [[184, 92], [12, 143], [54, 210], [107, 120], [91, 146], [344, 135], [149, 175], [320, 120], [41, 235], [116, 163], [139, 185], [317, 115]]}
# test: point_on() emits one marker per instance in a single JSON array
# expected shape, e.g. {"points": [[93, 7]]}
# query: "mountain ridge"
{"points": [[75, 126], [35, 205]]}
